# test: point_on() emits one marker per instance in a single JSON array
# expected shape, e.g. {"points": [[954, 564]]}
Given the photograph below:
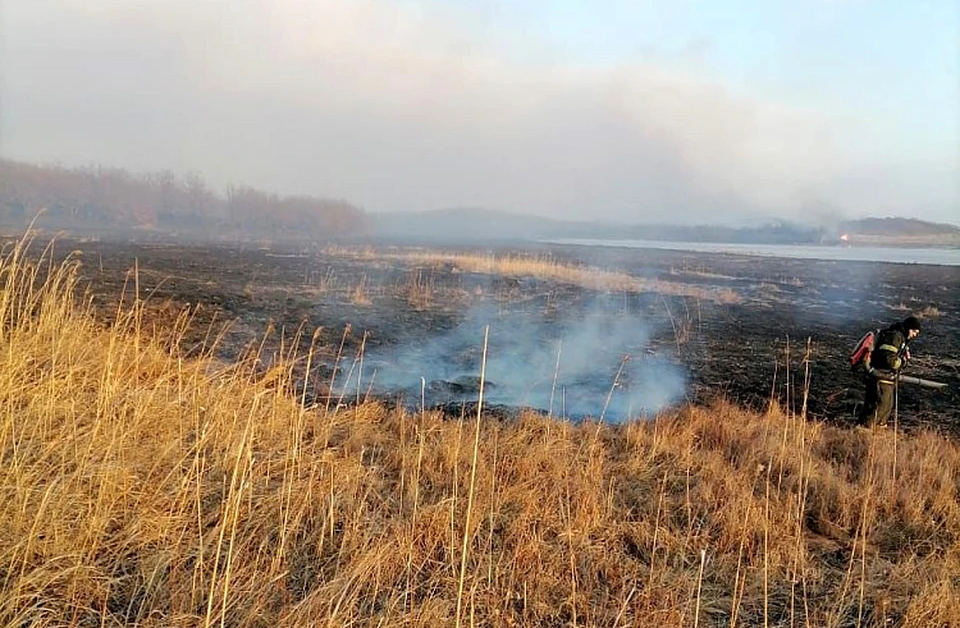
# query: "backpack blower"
{"points": [[860, 361]]}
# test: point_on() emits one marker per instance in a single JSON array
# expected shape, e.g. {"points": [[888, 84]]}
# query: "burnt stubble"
{"points": [[791, 321]]}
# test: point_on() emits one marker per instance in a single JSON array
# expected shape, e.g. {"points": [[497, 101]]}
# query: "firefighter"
{"points": [[890, 354]]}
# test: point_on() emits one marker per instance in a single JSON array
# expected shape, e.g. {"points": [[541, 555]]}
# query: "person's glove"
{"points": [[896, 363]]}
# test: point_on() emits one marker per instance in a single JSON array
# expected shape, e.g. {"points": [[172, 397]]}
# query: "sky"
{"points": [[679, 111]]}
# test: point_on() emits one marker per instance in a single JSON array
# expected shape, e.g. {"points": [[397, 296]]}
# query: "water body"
{"points": [[894, 255]]}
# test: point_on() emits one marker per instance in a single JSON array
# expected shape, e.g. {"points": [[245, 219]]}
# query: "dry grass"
{"points": [[419, 291], [360, 294], [140, 488], [518, 265], [928, 311]]}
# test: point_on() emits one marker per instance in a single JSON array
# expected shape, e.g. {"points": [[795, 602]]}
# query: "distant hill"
{"points": [[468, 224], [898, 227], [103, 201], [483, 225]]}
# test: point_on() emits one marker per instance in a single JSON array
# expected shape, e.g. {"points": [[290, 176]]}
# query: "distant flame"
{"points": [[844, 237]]}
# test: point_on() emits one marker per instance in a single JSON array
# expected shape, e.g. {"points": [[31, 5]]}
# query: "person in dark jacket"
{"points": [[890, 353]]}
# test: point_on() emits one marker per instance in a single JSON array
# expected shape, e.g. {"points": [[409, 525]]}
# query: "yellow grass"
{"points": [[141, 488], [518, 265]]}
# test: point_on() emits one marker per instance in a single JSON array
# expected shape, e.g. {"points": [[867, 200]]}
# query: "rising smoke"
{"points": [[594, 364]]}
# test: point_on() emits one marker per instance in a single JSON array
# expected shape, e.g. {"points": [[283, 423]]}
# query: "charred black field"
{"points": [[573, 331]]}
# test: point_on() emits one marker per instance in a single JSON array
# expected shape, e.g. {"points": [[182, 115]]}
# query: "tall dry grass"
{"points": [[141, 488]]}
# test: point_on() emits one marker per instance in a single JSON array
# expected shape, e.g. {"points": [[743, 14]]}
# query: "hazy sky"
{"points": [[632, 110]]}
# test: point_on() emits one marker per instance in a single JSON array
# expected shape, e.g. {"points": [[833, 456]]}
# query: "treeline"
{"points": [[100, 200]]}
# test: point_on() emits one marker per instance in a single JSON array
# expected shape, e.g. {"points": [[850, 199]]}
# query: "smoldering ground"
{"points": [[597, 362]]}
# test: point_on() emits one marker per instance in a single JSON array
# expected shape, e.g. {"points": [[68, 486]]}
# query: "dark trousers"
{"points": [[878, 401]]}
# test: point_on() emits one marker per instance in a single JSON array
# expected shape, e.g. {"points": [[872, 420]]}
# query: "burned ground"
{"points": [[791, 318]]}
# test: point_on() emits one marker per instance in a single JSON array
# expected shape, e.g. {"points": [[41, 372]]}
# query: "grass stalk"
{"points": [[473, 477]]}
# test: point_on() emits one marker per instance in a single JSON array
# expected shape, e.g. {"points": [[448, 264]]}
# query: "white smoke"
{"points": [[412, 106], [589, 364]]}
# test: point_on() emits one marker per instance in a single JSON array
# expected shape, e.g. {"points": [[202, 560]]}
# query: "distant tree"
{"points": [[106, 199]]}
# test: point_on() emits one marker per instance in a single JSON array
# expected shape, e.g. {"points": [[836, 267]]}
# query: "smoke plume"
{"points": [[597, 364]]}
